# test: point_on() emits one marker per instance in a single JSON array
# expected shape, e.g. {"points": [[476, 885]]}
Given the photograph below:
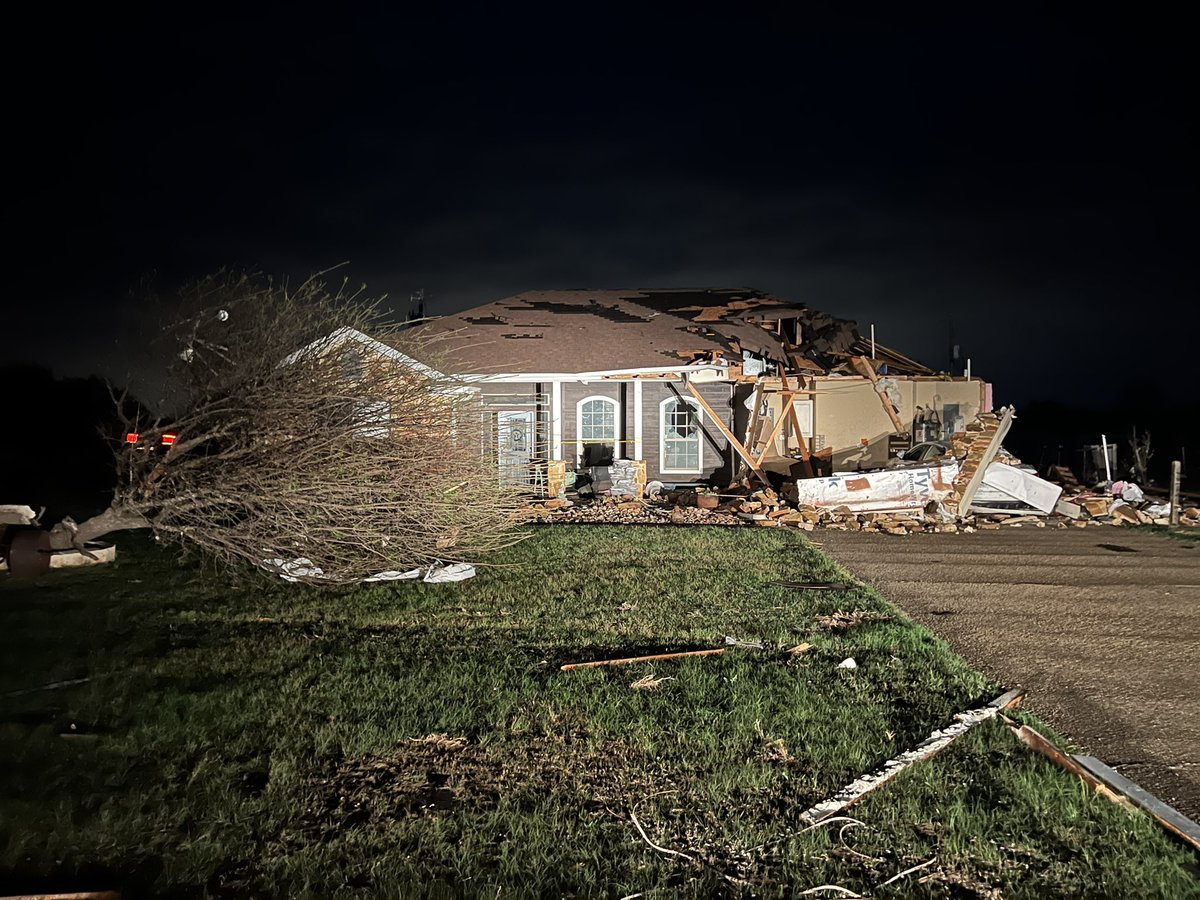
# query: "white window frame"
{"points": [[662, 437], [616, 442]]}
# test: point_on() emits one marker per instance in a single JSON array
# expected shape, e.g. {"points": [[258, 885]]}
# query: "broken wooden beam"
{"points": [[868, 371], [1110, 783], [1039, 743], [804, 456], [936, 742], [729, 435], [637, 659]]}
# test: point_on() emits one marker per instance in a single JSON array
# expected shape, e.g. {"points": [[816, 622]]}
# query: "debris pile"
{"points": [[618, 511], [1118, 503], [976, 486], [628, 477]]}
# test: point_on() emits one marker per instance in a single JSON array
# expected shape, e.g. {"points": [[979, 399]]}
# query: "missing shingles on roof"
{"points": [[484, 320], [713, 336], [611, 313]]}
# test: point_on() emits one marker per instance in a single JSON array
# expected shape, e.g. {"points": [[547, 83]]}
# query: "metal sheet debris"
{"points": [[1021, 485]]}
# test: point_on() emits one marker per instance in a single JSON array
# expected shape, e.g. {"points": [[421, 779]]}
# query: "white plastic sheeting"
{"points": [[892, 489], [303, 568]]}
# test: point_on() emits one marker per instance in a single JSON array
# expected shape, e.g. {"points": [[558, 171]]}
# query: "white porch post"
{"points": [[637, 419], [556, 451]]}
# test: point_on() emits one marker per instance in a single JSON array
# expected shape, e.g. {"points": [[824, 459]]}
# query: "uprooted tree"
{"points": [[295, 438]]}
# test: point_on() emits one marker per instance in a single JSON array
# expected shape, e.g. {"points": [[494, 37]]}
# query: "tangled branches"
{"points": [[307, 427]]}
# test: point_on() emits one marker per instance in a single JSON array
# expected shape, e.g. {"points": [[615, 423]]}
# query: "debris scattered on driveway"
{"points": [[887, 490]]}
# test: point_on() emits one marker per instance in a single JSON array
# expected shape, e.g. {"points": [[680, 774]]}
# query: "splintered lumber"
{"points": [[1169, 817], [637, 659], [755, 417], [1039, 743], [729, 435], [936, 742], [808, 469], [1109, 783], [866, 369], [786, 398]]}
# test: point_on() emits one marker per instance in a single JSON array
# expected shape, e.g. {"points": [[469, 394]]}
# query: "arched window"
{"points": [[680, 448], [596, 430]]}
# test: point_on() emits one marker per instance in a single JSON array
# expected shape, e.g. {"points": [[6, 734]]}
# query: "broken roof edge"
{"points": [[721, 372]]}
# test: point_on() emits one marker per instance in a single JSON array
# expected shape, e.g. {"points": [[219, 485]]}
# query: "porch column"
{"points": [[556, 420], [637, 419]]}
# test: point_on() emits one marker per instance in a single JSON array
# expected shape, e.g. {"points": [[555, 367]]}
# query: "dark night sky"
{"points": [[1027, 176]]}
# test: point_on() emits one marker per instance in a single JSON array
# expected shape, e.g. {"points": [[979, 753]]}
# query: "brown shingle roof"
{"points": [[592, 330]]}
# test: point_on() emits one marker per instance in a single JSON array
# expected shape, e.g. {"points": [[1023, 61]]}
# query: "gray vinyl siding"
{"points": [[572, 393], [716, 452], [715, 448]]}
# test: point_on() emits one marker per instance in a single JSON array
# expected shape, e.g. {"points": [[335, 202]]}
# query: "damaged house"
{"points": [[606, 390]]}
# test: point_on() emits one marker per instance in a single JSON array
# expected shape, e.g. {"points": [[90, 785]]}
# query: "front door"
{"points": [[514, 446]]}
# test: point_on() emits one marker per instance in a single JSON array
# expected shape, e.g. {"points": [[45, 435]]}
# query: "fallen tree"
{"points": [[296, 437]]}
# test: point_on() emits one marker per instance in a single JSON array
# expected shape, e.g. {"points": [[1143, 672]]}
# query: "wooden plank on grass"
{"points": [[1039, 743], [78, 895], [54, 685], [934, 744], [636, 659], [1169, 817]]}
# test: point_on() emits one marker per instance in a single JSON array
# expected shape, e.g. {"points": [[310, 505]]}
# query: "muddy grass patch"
{"points": [[441, 775]]}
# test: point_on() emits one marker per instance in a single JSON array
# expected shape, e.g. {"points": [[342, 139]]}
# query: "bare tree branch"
{"points": [[290, 444]]}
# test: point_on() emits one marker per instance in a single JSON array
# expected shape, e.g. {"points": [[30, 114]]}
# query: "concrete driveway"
{"points": [[1100, 625]]}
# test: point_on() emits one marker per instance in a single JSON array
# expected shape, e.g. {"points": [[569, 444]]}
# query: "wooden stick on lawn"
{"points": [[636, 659]]}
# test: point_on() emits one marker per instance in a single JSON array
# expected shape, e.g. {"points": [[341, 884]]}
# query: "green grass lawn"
{"points": [[254, 737]]}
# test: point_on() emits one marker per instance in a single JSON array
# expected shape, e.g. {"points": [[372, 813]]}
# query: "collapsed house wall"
{"points": [[850, 423]]}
